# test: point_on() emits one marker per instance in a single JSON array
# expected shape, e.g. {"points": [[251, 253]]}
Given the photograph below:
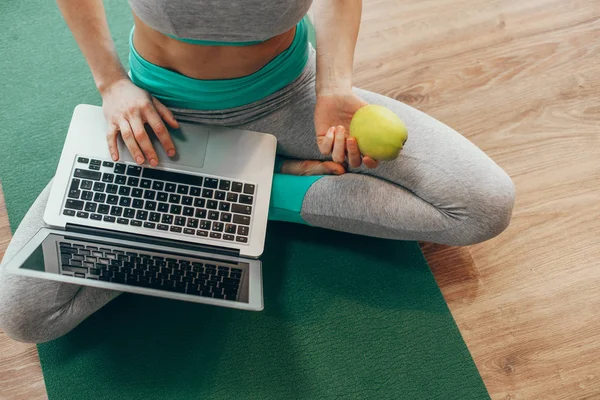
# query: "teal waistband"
{"points": [[213, 43], [180, 91]]}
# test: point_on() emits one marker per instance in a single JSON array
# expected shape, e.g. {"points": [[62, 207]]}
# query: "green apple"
{"points": [[379, 133]]}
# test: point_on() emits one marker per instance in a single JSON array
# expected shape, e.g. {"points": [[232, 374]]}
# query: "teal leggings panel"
{"points": [[287, 195]]}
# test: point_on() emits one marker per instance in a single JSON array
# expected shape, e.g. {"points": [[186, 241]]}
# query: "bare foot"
{"points": [[311, 167]]}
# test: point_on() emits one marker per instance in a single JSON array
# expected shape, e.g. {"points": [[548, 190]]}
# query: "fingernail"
{"points": [[153, 162], [171, 153], [330, 133], [139, 159], [114, 157]]}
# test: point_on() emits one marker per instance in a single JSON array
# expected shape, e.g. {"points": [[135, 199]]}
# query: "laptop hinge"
{"points": [[153, 240]]}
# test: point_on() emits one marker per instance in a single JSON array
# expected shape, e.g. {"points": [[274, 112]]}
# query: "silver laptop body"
{"points": [[205, 210]]}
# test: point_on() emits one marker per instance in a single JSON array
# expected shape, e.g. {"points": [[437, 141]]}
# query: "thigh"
{"points": [[437, 163]]}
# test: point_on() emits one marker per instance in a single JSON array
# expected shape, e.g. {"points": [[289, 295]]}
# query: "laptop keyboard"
{"points": [[157, 200], [146, 270]]}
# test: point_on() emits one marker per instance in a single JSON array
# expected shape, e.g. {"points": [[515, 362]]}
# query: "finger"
{"points": [[132, 146], [325, 142], [165, 113], [339, 145], [161, 131], [111, 139], [369, 162], [142, 138], [354, 159]]}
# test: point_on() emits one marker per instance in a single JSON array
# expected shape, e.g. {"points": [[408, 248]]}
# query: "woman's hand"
{"points": [[126, 108], [333, 113]]}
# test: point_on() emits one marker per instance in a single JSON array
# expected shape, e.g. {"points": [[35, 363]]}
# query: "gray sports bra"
{"points": [[221, 21]]}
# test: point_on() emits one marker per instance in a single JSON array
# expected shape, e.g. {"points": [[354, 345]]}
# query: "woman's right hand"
{"points": [[126, 108]]}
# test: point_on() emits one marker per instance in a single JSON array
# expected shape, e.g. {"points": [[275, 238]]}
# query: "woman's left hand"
{"points": [[333, 113]]}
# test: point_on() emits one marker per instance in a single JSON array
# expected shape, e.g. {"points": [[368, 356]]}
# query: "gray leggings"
{"points": [[441, 189]]}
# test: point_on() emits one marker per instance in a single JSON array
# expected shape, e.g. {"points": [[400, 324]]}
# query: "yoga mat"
{"points": [[345, 316]]}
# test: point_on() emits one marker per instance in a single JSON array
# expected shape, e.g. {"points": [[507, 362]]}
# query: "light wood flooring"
{"points": [[521, 79]]}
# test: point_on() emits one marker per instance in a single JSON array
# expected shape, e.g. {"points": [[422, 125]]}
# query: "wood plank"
{"points": [[520, 79]]}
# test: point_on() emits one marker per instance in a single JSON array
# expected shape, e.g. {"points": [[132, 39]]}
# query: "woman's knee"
{"points": [[489, 211], [26, 325], [25, 331], [31, 310], [36, 311]]}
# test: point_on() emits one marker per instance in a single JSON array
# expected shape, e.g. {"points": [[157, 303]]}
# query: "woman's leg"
{"points": [[442, 188], [36, 310]]}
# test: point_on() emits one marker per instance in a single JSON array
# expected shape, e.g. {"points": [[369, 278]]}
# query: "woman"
{"points": [[248, 64]]}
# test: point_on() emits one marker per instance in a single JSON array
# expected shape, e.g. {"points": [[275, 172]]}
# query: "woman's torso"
{"points": [[160, 24]]}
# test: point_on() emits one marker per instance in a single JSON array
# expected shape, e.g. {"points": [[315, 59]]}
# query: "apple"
{"points": [[379, 132]]}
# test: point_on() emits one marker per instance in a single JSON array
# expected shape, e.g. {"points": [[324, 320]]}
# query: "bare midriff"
{"points": [[206, 62]]}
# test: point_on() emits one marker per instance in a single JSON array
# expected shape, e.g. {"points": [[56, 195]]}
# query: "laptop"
{"points": [[192, 228]]}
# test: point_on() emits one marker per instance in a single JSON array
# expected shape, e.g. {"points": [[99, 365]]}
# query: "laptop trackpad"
{"points": [[190, 142]]}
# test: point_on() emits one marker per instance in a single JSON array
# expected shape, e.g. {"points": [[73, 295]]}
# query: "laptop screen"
{"points": [[118, 262]]}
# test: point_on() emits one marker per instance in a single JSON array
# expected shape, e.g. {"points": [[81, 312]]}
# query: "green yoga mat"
{"points": [[345, 316]]}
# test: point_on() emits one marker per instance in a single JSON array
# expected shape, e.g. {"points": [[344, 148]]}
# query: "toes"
{"points": [[322, 168], [332, 168], [311, 167]]}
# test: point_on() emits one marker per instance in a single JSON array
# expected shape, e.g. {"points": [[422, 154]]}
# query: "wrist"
{"points": [[332, 79], [333, 87], [104, 83], [334, 73]]}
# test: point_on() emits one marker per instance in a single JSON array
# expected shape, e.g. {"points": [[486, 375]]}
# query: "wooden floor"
{"points": [[521, 79]]}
